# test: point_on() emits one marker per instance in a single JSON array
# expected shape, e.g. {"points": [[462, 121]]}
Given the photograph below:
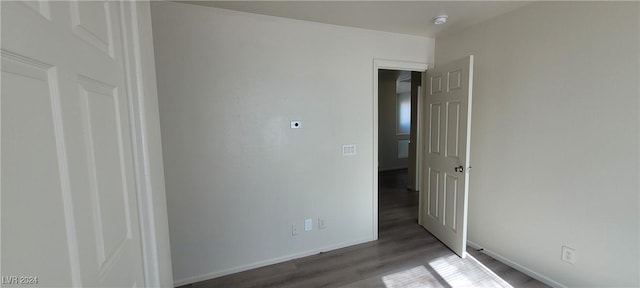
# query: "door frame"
{"points": [[389, 65]]}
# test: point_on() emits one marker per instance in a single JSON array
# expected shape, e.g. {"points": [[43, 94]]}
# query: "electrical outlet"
{"points": [[294, 230], [308, 224], [321, 223], [349, 150], [568, 255]]}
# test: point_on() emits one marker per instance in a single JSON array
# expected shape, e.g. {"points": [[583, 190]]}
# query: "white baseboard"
{"points": [[515, 265], [263, 263]]}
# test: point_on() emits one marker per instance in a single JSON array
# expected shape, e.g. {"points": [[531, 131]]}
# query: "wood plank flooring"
{"points": [[405, 255]]}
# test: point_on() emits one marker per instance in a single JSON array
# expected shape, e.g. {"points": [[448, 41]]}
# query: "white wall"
{"points": [[388, 122], [555, 138], [237, 176]]}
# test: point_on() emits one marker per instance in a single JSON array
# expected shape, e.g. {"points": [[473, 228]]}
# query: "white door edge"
{"points": [[149, 166]]}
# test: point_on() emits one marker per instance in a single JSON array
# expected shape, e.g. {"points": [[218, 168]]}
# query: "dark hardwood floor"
{"points": [[405, 255]]}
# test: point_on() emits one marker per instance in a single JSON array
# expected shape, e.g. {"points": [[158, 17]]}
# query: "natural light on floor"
{"points": [[447, 271]]}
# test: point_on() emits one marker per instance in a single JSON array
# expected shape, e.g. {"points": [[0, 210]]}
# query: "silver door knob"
{"points": [[459, 169]]}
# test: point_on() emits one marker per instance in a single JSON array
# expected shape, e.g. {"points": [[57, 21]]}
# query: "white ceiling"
{"points": [[405, 17]]}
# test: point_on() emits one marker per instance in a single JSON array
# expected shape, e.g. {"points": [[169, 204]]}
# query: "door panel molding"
{"points": [[88, 33], [40, 7]]}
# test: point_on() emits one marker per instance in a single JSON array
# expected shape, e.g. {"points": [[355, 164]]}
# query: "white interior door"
{"points": [[69, 206], [446, 153]]}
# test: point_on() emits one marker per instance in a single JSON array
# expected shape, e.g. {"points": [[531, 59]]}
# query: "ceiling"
{"points": [[405, 17]]}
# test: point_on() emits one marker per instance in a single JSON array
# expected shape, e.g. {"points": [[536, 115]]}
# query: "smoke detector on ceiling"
{"points": [[440, 19]]}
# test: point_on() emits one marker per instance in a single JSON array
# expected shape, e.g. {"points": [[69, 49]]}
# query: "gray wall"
{"points": [[237, 177], [555, 139]]}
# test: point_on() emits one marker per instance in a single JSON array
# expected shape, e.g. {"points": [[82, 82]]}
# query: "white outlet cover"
{"points": [[568, 255], [296, 124], [349, 150], [321, 223]]}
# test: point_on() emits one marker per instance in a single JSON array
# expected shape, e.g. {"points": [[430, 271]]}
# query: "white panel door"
{"points": [[446, 153], [69, 206]]}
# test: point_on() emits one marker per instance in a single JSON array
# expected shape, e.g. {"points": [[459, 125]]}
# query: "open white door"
{"points": [[445, 157], [70, 214]]}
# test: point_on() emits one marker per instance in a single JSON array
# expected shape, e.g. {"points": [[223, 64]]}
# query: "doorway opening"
{"points": [[397, 87], [398, 94]]}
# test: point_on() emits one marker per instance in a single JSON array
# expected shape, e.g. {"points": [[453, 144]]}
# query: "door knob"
{"points": [[459, 169]]}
